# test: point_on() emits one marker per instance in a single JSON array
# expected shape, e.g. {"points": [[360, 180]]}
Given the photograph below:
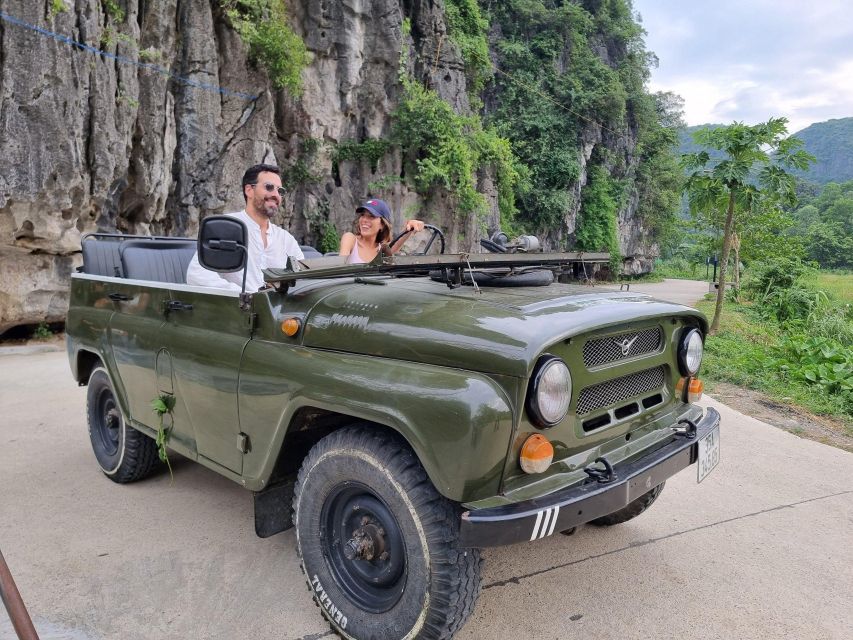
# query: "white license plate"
{"points": [[709, 454]]}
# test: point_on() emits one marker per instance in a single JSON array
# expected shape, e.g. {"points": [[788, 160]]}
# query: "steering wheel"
{"points": [[435, 232]]}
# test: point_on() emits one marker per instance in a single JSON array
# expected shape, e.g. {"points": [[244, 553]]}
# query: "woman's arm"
{"points": [[347, 243], [412, 226]]}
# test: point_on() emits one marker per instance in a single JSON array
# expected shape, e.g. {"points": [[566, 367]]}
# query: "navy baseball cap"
{"points": [[376, 208]]}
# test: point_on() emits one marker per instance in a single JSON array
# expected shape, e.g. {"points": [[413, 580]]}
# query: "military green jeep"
{"points": [[399, 414]]}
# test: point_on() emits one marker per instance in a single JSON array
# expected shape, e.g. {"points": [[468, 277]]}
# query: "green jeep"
{"points": [[399, 414]]}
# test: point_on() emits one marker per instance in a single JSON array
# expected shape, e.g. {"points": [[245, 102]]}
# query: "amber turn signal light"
{"points": [[290, 327], [536, 454], [695, 389]]}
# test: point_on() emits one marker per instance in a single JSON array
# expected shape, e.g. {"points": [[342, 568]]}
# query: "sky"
{"points": [[751, 60]]}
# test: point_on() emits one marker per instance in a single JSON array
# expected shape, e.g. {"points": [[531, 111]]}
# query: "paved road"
{"points": [[681, 291], [763, 548]]}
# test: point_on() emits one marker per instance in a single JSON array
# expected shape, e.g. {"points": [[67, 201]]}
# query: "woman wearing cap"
{"points": [[372, 229]]}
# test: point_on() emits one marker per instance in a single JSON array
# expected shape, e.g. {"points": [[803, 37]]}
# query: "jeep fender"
{"points": [[459, 423]]}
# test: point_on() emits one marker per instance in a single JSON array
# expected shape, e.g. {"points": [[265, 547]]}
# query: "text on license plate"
{"points": [[709, 453]]}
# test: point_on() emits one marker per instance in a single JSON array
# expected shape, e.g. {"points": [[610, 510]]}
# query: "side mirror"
{"points": [[222, 242]]}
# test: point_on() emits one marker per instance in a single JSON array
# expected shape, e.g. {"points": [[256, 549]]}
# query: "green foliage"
{"points": [[55, 7], [468, 29], [747, 174], [329, 240], [553, 86], [444, 149], [263, 27], [817, 361], [42, 332], [150, 54], [825, 222], [372, 150], [831, 143], [162, 405], [752, 352], [596, 230], [113, 10]]}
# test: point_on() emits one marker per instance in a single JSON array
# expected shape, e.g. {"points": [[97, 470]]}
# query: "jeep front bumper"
{"points": [[540, 517]]}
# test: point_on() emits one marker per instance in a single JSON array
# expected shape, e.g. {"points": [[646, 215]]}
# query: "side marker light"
{"points": [[290, 327], [536, 454]]}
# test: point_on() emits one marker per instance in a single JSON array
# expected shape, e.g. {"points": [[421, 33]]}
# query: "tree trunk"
{"points": [[721, 283], [736, 249]]}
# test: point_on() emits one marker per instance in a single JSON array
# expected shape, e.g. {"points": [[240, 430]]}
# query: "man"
{"points": [[269, 244]]}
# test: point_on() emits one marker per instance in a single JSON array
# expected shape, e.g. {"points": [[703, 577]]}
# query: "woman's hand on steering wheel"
{"points": [[435, 233]]}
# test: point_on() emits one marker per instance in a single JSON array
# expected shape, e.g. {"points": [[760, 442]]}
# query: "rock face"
{"points": [[156, 134]]}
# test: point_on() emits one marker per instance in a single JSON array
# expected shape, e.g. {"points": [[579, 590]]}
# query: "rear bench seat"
{"points": [[138, 258], [159, 260]]}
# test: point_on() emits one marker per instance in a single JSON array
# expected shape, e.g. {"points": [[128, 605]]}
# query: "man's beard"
{"points": [[269, 209]]}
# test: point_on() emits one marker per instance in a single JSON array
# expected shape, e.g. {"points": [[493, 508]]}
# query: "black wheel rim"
{"points": [[364, 548], [107, 422]]}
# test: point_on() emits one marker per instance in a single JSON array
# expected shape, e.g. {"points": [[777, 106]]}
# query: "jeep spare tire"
{"points": [[377, 542]]}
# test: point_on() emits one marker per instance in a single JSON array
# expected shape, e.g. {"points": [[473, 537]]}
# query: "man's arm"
{"points": [[199, 276]]}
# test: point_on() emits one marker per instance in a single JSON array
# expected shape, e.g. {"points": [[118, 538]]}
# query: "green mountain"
{"points": [[831, 142]]}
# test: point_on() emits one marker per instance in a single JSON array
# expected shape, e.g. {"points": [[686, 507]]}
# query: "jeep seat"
{"points": [[158, 260], [101, 257]]}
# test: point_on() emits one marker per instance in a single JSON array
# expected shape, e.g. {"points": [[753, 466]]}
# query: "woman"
{"points": [[371, 229]]}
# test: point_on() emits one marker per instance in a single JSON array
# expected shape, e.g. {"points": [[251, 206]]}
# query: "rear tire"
{"points": [[631, 510], [377, 542], [123, 453]]}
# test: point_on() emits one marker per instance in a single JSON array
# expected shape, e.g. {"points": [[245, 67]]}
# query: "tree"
{"points": [[749, 176]]}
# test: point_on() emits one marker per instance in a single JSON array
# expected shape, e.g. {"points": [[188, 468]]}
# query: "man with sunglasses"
{"points": [[269, 244]]}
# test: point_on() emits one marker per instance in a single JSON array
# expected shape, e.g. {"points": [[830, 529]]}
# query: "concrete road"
{"points": [[763, 548], [686, 292]]}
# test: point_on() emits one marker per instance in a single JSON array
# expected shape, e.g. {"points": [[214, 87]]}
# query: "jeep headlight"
{"points": [[690, 351], [549, 392]]}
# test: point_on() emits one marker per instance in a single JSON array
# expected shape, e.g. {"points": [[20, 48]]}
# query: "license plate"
{"points": [[709, 454]]}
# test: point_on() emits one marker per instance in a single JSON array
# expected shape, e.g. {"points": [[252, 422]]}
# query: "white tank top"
{"points": [[354, 257]]}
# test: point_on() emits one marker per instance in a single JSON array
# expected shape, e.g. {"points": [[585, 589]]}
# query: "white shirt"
{"points": [[280, 245]]}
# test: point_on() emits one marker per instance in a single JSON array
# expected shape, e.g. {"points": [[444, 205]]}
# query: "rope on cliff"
{"points": [[124, 60]]}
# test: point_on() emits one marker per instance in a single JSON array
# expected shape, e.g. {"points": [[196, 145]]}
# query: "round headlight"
{"points": [[690, 352], [549, 392]]}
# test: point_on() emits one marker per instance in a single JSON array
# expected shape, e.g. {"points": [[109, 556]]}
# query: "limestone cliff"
{"points": [[143, 140]]}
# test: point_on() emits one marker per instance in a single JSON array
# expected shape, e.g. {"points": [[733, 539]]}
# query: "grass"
{"points": [[742, 353], [838, 284]]}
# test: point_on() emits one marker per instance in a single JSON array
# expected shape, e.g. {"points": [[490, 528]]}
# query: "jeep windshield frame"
{"points": [[454, 265]]}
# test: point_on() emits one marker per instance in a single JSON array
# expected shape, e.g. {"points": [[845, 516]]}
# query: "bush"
{"points": [[819, 361], [263, 27]]}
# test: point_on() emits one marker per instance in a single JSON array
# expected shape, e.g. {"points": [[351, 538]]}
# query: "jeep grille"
{"points": [[614, 391], [622, 346]]}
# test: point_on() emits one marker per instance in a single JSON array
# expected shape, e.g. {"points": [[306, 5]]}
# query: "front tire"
{"points": [[123, 453], [377, 541]]}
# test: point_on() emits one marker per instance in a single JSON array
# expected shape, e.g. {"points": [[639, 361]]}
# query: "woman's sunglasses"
{"points": [[269, 187]]}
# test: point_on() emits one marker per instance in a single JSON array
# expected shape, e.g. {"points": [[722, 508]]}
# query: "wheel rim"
{"points": [[363, 547], [108, 422]]}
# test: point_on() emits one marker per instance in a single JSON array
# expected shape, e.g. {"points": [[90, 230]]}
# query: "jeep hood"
{"points": [[499, 331]]}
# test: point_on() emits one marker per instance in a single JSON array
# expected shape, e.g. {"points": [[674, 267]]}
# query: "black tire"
{"points": [[123, 453], [361, 491], [631, 510]]}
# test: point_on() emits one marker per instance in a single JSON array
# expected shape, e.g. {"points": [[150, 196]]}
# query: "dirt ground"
{"points": [[791, 419]]}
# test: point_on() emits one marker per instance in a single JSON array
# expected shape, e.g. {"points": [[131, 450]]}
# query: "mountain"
{"points": [[831, 142]]}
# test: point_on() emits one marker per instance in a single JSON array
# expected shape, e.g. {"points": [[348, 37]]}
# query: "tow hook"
{"points": [[689, 431], [601, 475]]}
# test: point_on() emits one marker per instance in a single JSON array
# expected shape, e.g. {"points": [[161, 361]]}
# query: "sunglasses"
{"points": [[269, 187]]}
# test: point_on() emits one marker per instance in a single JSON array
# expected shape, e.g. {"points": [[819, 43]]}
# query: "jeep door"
{"points": [[204, 334], [134, 337]]}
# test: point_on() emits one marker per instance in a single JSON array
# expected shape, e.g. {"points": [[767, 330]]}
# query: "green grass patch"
{"points": [[838, 284], [755, 353]]}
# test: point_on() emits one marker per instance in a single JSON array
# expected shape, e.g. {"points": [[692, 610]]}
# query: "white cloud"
{"points": [[753, 60]]}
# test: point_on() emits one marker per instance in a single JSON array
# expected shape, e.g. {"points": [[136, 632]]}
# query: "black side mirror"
{"points": [[222, 242]]}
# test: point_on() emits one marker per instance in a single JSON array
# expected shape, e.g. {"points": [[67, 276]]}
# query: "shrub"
{"points": [[263, 27]]}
